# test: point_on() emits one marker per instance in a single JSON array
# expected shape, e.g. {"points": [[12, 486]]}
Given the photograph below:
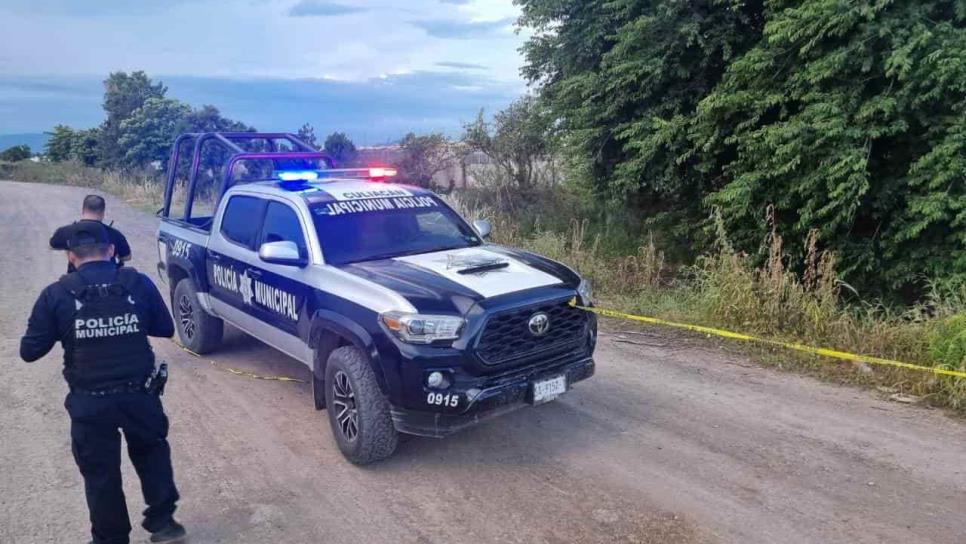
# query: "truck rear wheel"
{"points": [[358, 411], [197, 330]]}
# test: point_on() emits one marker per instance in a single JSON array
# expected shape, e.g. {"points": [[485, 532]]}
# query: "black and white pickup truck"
{"points": [[409, 319]]}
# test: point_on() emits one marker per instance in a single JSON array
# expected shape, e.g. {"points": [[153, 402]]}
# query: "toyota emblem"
{"points": [[539, 324]]}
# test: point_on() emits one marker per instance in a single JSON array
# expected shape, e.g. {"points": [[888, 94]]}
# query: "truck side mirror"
{"points": [[483, 227], [284, 252]]}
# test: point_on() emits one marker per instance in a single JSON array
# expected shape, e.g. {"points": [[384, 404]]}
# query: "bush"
{"points": [[729, 289], [15, 153]]}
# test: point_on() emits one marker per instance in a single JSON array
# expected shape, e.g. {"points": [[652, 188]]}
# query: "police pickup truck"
{"points": [[409, 319]]}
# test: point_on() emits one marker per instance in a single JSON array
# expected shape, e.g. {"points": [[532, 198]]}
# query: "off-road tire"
{"points": [[197, 329], [375, 437]]}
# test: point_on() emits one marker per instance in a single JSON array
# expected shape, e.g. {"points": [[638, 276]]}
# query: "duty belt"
{"points": [[118, 389]]}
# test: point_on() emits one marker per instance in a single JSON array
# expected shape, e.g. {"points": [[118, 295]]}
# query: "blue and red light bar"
{"points": [[375, 173]]}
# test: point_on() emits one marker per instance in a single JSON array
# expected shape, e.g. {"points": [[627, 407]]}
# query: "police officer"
{"points": [[102, 315], [93, 209]]}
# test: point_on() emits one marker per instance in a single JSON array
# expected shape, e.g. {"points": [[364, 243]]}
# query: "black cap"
{"points": [[86, 233]]}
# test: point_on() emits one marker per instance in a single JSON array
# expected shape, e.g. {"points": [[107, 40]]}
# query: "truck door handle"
{"points": [[254, 272], [214, 256]]}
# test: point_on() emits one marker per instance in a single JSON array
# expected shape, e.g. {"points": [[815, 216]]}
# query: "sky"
{"points": [[373, 68]]}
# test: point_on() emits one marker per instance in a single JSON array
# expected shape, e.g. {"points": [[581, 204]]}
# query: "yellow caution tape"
{"points": [[238, 372], [824, 352]]}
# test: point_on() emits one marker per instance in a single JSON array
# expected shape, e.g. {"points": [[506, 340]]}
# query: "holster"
{"points": [[157, 380]]}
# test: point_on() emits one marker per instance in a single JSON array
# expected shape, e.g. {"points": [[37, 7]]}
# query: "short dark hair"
{"points": [[90, 251], [94, 203]]}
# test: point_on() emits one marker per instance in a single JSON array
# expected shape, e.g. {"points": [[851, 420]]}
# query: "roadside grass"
{"points": [[726, 289], [142, 190], [723, 289]]}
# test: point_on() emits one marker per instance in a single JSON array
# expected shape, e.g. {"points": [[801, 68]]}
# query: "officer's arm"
{"points": [[159, 321], [41, 332], [122, 250], [59, 239]]}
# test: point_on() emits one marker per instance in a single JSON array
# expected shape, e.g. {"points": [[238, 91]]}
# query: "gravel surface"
{"points": [[672, 442]]}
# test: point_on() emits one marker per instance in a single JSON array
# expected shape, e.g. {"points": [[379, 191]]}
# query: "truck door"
{"points": [[230, 250], [280, 291]]}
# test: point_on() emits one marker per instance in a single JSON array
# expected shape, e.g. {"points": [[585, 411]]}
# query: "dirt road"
{"points": [[670, 442]]}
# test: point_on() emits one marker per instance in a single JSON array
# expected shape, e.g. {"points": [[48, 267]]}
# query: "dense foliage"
{"points": [[140, 126], [518, 140], [848, 117], [340, 147], [15, 153], [422, 157]]}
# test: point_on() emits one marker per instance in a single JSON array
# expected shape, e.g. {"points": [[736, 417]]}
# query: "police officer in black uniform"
{"points": [[102, 315], [92, 210]]}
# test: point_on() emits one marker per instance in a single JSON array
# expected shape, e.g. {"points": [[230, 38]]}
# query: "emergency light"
{"points": [[372, 173], [381, 172], [298, 175]]}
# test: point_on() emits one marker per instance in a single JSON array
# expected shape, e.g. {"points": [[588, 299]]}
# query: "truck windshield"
{"points": [[381, 228]]}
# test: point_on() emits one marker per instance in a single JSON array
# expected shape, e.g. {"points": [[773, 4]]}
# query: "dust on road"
{"points": [[673, 443]]}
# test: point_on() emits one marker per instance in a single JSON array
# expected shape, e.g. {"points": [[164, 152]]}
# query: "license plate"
{"points": [[547, 390]]}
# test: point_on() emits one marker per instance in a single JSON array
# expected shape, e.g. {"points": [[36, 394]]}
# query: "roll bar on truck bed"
{"points": [[268, 147]]}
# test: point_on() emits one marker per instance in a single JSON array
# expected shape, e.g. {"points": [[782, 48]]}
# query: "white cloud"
{"points": [[337, 39]]}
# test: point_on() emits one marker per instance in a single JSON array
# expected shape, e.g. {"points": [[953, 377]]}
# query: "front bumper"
{"points": [[488, 397]]}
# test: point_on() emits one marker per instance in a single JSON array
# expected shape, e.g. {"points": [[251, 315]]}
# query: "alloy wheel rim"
{"points": [[186, 315], [346, 412]]}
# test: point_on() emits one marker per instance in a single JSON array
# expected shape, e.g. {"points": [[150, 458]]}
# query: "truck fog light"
{"points": [[436, 380]]}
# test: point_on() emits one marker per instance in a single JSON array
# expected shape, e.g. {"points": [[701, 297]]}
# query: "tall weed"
{"points": [[731, 290]]}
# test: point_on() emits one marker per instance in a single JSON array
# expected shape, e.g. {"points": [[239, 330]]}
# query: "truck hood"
{"points": [[445, 281]]}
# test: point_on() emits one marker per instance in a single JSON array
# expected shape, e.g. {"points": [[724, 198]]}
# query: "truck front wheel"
{"points": [[358, 411], [197, 330]]}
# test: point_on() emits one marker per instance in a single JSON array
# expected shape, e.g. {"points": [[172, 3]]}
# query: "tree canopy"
{"points": [[306, 133], [519, 138], [422, 157], [59, 143], [146, 135], [848, 117], [15, 153], [140, 126], [340, 147], [123, 95]]}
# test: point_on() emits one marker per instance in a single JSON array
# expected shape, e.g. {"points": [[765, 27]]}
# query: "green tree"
{"points": [[59, 142], [306, 133], [15, 153], [622, 79], [422, 157], [209, 119], [850, 118], [340, 148], [84, 146], [123, 95], [146, 135], [517, 141], [847, 116], [213, 156]]}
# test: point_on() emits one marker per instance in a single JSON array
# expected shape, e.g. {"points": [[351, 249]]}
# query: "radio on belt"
{"points": [[409, 319]]}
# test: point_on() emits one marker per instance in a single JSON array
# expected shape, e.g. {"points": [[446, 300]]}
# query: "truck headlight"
{"points": [[585, 292], [422, 329]]}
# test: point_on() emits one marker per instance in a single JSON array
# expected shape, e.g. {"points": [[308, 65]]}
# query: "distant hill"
{"points": [[36, 141]]}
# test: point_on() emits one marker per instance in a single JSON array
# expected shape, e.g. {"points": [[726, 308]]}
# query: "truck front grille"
{"points": [[507, 336]]}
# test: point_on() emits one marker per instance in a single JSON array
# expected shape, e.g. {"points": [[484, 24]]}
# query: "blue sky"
{"points": [[374, 68]]}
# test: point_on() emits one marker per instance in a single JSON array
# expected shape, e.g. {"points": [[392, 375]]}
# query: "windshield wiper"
{"points": [[483, 267]]}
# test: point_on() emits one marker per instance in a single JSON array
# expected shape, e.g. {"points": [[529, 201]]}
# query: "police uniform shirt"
{"points": [[121, 248], [52, 315]]}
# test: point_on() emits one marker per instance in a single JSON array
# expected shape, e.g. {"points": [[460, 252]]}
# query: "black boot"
{"points": [[172, 532]]}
